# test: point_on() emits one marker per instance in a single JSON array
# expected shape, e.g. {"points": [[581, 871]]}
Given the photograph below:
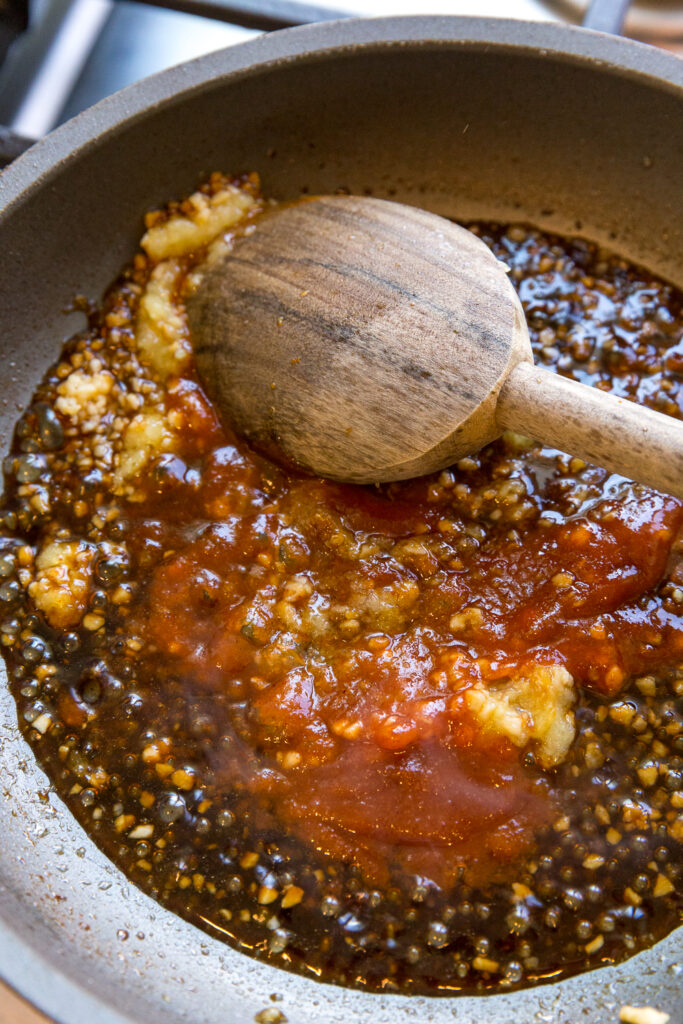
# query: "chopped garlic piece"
{"points": [[141, 832], [148, 434], [209, 217], [63, 576], [161, 330], [42, 723], [663, 886], [533, 706], [83, 398], [642, 1015]]}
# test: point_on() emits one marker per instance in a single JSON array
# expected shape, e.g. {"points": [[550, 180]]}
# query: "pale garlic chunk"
{"points": [[216, 251], [161, 329], [642, 1015], [83, 396], [211, 215], [147, 435], [534, 706], [63, 576]]}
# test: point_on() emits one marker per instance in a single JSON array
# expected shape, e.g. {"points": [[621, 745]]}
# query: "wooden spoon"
{"points": [[372, 341]]}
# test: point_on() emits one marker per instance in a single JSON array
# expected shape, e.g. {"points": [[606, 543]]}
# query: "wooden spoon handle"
{"points": [[638, 443]]}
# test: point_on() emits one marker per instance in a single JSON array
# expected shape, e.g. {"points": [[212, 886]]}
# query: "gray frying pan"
{"points": [[568, 129]]}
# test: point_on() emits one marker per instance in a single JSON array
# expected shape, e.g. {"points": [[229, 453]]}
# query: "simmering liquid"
{"points": [[422, 737]]}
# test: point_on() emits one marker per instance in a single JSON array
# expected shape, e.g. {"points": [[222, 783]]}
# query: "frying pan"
{"points": [[571, 130]]}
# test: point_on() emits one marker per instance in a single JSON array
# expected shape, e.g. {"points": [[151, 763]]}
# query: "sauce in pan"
{"points": [[422, 737]]}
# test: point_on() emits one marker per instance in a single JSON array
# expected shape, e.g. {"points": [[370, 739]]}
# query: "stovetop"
{"points": [[75, 52]]}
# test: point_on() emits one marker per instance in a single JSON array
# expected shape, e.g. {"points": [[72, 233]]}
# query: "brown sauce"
{"points": [[274, 713]]}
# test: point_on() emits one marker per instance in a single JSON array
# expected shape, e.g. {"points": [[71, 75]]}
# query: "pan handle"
{"points": [[606, 16]]}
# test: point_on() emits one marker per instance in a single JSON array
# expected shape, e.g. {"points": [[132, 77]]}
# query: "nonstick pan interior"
{"points": [[469, 117]]}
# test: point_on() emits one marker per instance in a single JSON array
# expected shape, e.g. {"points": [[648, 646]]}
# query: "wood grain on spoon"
{"points": [[372, 341]]}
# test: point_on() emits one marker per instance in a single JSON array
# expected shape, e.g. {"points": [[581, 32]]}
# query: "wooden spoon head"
{"points": [[368, 340]]}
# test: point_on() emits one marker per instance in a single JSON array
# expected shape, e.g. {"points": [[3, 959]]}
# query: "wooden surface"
{"points": [[14, 1010], [367, 339], [371, 341], [638, 443]]}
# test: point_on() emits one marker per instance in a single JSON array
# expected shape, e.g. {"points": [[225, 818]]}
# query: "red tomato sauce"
{"points": [[325, 615]]}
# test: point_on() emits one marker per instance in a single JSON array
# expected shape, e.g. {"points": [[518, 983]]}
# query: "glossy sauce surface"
{"points": [[283, 718], [323, 616]]}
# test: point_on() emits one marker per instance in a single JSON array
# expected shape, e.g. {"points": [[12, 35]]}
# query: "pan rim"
{"points": [[545, 40], [68, 143]]}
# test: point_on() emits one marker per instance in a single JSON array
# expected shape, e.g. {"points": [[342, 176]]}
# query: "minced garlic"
{"points": [[642, 1015], [161, 330], [209, 216], [83, 397], [534, 706], [148, 434], [60, 589]]}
